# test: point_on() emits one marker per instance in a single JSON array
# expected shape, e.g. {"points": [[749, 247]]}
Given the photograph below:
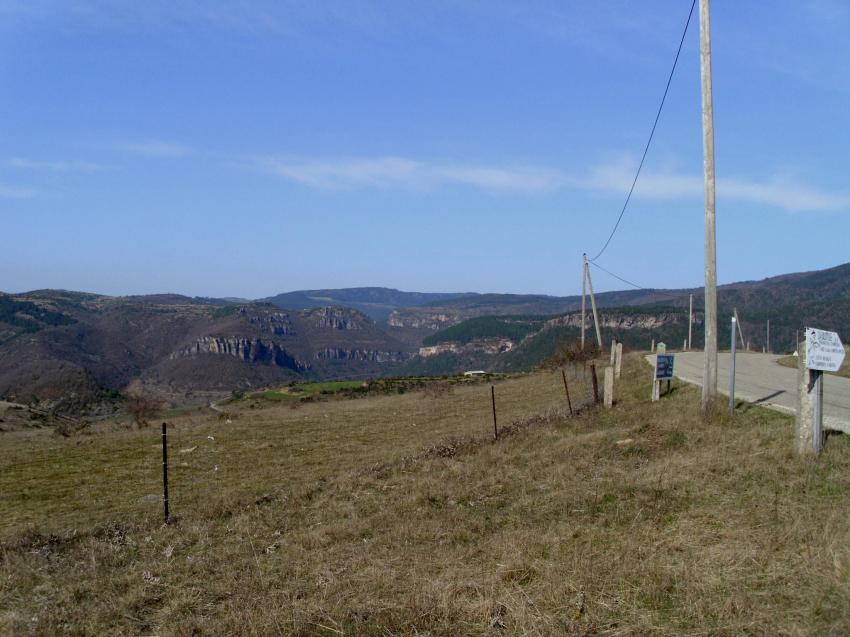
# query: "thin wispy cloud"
{"points": [[782, 193], [401, 172], [793, 197], [56, 166], [155, 148], [11, 192]]}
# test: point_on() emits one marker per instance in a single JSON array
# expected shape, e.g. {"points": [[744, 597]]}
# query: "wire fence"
{"points": [[254, 449]]}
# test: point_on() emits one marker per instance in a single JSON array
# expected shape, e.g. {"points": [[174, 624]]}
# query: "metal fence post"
{"points": [[165, 471], [732, 373]]}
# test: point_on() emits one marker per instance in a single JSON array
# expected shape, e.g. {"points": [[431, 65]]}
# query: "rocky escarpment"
{"points": [[357, 354], [422, 319], [278, 323], [337, 318], [482, 346], [621, 321], [252, 350]]}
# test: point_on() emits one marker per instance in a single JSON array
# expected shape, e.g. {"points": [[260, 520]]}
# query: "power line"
{"points": [[651, 134], [639, 287]]}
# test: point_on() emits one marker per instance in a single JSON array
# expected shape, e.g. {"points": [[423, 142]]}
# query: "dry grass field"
{"points": [[399, 515]]}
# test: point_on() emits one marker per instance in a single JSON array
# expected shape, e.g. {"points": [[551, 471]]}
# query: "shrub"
{"points": [[142, 404]]}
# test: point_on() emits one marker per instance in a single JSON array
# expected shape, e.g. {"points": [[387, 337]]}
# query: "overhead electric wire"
{"points": [[651, 134], [639, 287]]}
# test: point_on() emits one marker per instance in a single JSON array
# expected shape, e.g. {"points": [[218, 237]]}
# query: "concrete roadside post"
{"points": [[609, 387], [661, 350], [652, 349], [618, 363], [613, 350], [690, 320], [806, 442]]}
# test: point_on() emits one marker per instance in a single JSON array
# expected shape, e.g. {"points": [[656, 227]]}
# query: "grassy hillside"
{"points": [[444, 364], [402, 517]]}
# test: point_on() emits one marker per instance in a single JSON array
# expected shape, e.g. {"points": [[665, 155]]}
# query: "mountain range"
{"points": [[78, 352]]}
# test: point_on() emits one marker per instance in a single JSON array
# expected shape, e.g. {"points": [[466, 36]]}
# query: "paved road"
{"points": [[760, 379]]}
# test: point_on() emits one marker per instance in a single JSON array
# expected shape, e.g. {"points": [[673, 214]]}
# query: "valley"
{"points": [[77, 353]]}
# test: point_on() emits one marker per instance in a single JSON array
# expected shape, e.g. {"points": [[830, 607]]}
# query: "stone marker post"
{"points": [[618, 363], [613, 349], [652, 349], [656, 384], [809, 430], [609, 387]]}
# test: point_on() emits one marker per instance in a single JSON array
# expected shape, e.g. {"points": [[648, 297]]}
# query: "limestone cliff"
{"points": [[624, 321], [252, 350], [483, 346], [337, 318], [357, 354]]}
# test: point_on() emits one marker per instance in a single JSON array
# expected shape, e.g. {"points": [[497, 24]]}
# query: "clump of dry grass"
{"points": [[437, 389], [643, 519]]}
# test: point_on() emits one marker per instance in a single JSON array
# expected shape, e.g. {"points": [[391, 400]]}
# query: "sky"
{"points": [[236, 148]]}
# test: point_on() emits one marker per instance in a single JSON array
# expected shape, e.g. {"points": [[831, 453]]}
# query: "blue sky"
{"points": [[231, 148]]}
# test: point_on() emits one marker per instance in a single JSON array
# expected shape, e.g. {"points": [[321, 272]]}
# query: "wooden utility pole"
{"points": [[709, 383], [583, 296], [593, 303], [690, 319]]}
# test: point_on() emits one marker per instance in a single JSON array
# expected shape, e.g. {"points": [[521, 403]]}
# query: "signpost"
{"points": [[663, 370], [664, 367], [823, 352]]}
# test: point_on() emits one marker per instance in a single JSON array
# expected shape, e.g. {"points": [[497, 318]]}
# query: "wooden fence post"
{"points": [[595, 383]]}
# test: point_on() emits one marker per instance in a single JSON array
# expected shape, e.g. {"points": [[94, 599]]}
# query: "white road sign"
{"points": [[824, 350]]}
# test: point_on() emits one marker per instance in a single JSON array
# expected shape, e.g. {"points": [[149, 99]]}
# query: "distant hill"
{"points": [[438, 315], [375, 302], [791, 302], [78, 352]]}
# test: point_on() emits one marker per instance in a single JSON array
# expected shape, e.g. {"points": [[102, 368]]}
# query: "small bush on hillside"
{"points": [[571, 353], [141, 404], [438, 389]]}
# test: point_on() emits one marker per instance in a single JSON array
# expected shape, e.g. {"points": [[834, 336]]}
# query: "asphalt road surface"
{"points": [[760, 379]]}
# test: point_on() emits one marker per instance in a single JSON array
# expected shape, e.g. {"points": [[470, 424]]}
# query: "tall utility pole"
{"points": [[593, 303], [709, 383], [690, 319], [583, 296]]}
